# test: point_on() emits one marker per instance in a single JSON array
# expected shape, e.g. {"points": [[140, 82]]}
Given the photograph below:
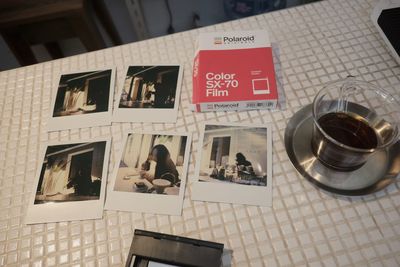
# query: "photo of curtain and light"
{"points": [[71, 172]]}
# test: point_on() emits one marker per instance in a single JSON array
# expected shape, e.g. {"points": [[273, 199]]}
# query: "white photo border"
{"points": [[156, 115], [234, 193], [82, 120], [149, 203], [72, 210]]}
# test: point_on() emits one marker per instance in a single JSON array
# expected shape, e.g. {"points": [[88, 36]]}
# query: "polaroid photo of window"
{"points": [[150, 175], [149, 94], [70, 182], [234, 164], [83, 99]]}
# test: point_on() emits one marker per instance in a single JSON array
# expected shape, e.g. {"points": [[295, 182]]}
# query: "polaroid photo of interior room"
{"points": [[149, 94], [83, 99], [151, 173], [233, 154], [70, 175], [235, 164]]}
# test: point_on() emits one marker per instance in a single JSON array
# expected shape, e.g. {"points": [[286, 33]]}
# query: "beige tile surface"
{"points": [[319, 42]]}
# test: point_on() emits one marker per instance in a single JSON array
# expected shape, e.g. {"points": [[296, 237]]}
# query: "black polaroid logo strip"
{"points": [[236, 39]]}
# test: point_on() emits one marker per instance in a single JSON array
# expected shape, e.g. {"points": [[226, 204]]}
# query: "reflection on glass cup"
{"points": [[352, 119]]}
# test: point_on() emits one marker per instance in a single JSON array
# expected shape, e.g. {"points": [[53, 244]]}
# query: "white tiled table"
{"points": [[319, 42]]}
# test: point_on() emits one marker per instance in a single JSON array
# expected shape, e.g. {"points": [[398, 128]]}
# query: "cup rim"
{"points": [[374, 88]]}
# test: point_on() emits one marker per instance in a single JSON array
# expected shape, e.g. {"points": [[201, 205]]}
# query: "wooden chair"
{"points": [[24, 23]]}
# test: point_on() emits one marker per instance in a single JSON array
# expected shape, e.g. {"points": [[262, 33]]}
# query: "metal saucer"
{"points": [[381, 169]]}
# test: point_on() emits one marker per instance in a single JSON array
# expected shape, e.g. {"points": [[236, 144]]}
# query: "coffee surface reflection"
{"points": [[349, 129]]}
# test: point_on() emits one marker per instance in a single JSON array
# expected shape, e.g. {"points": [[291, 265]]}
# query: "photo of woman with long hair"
{"points": [[164, 169], [150, 175], [152, 163]]}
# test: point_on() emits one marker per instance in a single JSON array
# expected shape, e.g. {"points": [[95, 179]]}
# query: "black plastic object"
{"points": [[174, 250], [389, 21]]}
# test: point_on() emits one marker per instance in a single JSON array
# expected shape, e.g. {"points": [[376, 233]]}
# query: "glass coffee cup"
{"points": [[353, 119]]}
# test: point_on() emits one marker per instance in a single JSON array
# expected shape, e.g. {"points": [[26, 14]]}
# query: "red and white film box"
{"points": [[234, 71]]}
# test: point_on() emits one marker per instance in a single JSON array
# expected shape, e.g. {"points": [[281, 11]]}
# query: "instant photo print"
{"points": [[150, 175], [234, 164], [70, 182], [83, 99], [149, 94], [152, 249]]}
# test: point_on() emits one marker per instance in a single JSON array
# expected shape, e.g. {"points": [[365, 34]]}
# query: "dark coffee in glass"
{"points": [[349, 130], [351, 120]]}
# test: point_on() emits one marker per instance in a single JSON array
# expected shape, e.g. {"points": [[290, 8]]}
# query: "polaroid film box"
{"points": [[234, 71]]}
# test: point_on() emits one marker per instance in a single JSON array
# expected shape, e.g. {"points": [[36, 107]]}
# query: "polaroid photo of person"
{"points": [[150, 175], [234, 164], [83, 99], [70, 182], [149, 94]]}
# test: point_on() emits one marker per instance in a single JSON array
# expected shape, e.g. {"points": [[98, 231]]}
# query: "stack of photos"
{"points": [[151, 174], [150, 94], [235, 164], [70, 183], [83, 99]]}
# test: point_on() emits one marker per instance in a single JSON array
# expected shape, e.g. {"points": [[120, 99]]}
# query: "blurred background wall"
{"points": [[130, 20]]}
